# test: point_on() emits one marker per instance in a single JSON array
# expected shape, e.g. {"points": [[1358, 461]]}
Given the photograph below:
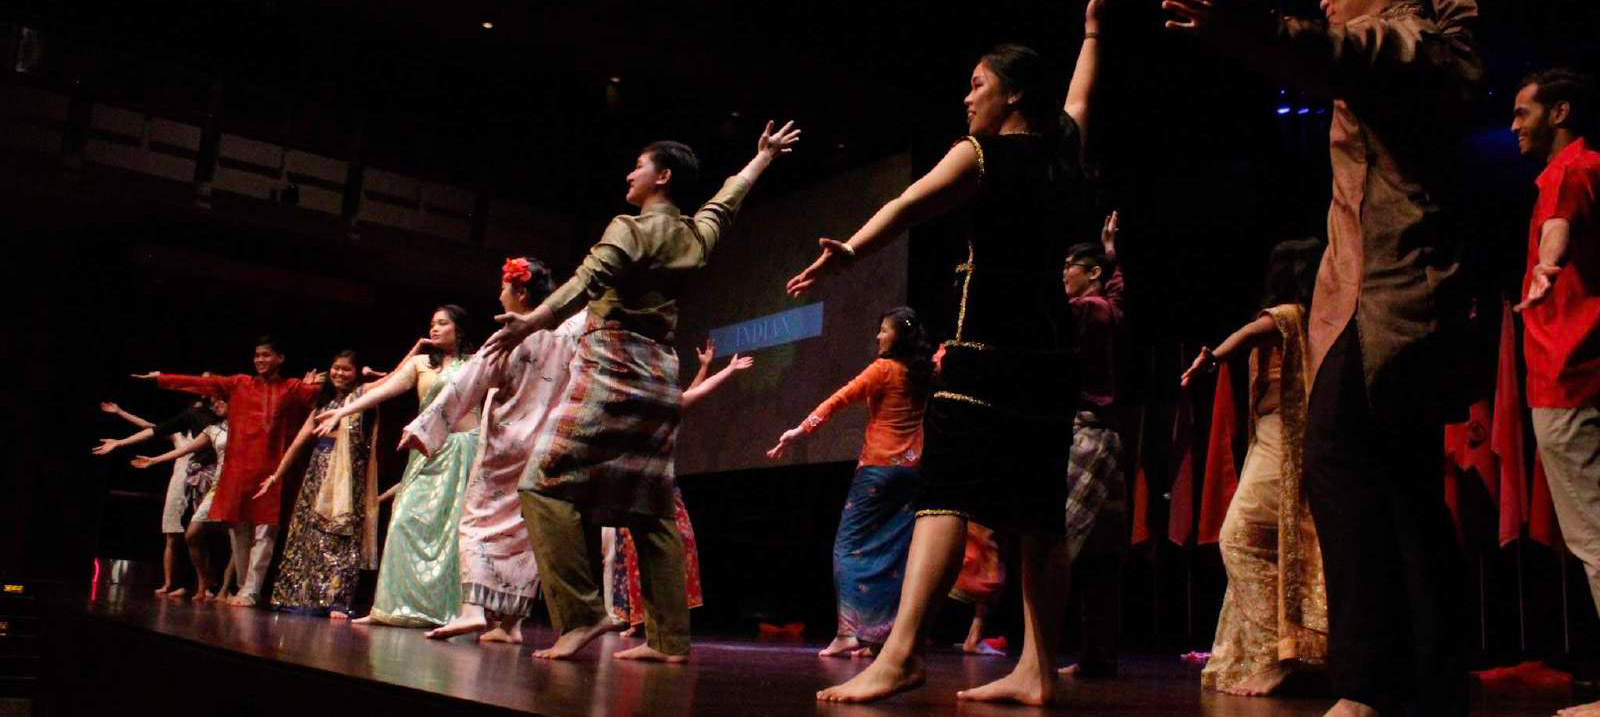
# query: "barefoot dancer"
{"points": [[608, 459], [1275, 612], [869, 551], [186, 471], [335, 515], [214, 439], [419, 580], [996, 435], [1390, 313], [499, 577], [263, 411], [624, 589]]}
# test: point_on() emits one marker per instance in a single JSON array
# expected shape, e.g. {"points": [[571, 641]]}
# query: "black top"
{"points": [[191, 420], [1030, 197]]}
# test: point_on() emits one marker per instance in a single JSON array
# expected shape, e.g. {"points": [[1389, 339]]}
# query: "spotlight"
{"points": [[488, 26], [616, 79]]}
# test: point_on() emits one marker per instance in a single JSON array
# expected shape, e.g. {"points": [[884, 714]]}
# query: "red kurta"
{"points": [[1562, 338], [263, 417]]}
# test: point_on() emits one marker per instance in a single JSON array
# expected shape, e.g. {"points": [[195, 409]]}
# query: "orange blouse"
{"points": [[894, 413]]}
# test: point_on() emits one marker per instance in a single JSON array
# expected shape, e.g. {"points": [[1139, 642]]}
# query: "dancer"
{"points": [[335, 514], [499, 577], [1384, 327], [608, 459], [869, 550], [213, 438], [624, 590], [1274, 616], [186, 471], [996, 435], [1554, 115], [1096, 507], [264, 409], [980, 583], [419, 579]]}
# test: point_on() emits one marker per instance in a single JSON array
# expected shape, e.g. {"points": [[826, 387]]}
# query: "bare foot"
{"points": [[1350, 708], [1098, 670], [1262, 683], [865, 652], [163, 590], [364, 621], [881, 679], [336, 615], [982, 650], [1025, 687], [462, 625], [841, 646], [647, 654], [500, 634], [201, 595], [178, 594], [572, 641], [1589, 710], [242, 601]]}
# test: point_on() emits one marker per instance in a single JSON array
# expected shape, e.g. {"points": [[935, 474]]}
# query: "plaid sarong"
{"points": [[608, 449], [1094, 478]]}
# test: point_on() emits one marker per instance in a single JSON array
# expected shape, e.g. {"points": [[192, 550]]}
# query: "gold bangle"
{"points": [[849, 251], [1091, 35]]}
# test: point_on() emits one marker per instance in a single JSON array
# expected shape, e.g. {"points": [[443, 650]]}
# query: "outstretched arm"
{"points": [[701, 389], [402, 380], [199, 442], [117, 411], [868, 382], [1081, 92], [300, 440], [1261, 332], [945, 187]]}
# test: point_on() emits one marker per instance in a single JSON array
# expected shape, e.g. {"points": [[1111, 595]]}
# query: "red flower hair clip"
{"points": [[516, 271]]}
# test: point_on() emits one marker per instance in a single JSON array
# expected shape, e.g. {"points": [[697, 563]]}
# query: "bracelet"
{"points": [[849, 251], [1091, 35]]}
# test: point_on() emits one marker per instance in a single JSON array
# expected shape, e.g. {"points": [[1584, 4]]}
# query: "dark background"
{"points": [[112, 273]]}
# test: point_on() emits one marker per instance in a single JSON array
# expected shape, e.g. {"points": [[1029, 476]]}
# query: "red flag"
{"points": [[1222, 473], [1141, 508], [1180, 519], [1542, 525], [1506, 435]]}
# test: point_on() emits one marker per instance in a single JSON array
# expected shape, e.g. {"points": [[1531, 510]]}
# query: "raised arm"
{"points": [[1261, 332], [715, 217], [862, 386], [705, 356], [1081, 92], [947, 186], [702, 388], [199, 442], [300, 440]]}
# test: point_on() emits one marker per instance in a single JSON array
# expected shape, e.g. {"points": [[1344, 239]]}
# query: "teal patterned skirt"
{"points": [[419, 580]]}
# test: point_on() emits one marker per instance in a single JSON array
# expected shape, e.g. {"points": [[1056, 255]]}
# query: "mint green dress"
{"points": [[419, 579]]}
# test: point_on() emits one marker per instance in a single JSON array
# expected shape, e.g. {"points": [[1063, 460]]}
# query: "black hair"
{"points": [[464, 345], [1094, 255], [910, 346], [540, 283], [269, 341], [1292, 273], [682, 161], [1563, 84], [1022, 70], [328, 390]]}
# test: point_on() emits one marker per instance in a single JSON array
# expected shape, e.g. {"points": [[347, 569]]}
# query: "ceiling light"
{"points": [[488, 26]]}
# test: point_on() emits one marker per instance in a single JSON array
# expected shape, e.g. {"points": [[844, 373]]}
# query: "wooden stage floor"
{"points": [[724, 677]]}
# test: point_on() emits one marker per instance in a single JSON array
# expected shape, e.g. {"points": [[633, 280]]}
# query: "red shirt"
{"points": [[1097, 318], [263, 418], [1562, 333], [894, 413]]}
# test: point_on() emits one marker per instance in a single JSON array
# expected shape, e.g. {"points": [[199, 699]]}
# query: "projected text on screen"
{"points": [[772, 330]]}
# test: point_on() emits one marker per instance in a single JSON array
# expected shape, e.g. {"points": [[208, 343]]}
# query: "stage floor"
{"points": [[724, 676]]}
